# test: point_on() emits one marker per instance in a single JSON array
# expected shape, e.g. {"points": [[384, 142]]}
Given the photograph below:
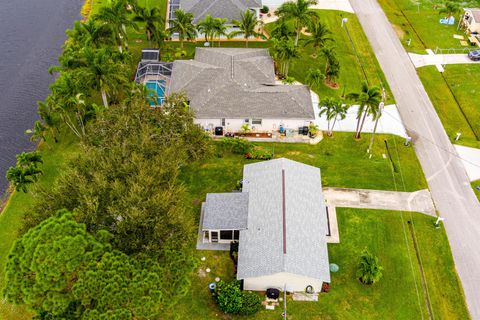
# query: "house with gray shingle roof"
{"points": [[225, 9], [280, 222], [230, 87]]}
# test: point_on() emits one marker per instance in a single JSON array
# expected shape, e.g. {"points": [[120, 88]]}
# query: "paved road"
{"points": [[418, 201], [446, 176]]}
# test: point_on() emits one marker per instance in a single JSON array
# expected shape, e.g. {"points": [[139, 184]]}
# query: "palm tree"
{"points": [[29, 159], [248, 26], [151, 18], [314, 77], [26, 170], [450, 8], [282, 30], [369, 270], [38, 132], [367, 98], [159, 36], [332, 66], [91, 33], [298, 12], [183, 25], [50, 118], [284, 51], [220, 28], [333, 108], [320, 35], [116, 17], [103, 72], [207, 27]]}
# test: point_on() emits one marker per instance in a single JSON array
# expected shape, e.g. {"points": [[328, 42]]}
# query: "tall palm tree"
{"points": [[320, 35], [116, 17], [332, 108], [26, 170], [220, 28], [282, 30], [152, 20], [183, 25], [248, 26], [207, 27], [50, 118], [369, 270], [29, 158], [159, 36], [284, 51], [103, 72], [367, 98], [299, 13]]}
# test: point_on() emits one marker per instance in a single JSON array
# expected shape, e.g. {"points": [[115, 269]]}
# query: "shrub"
{"points": [[264, 9], [251, 303], [369, 270], [259, 153], [229, 296], [237, 146], [313, 129]]}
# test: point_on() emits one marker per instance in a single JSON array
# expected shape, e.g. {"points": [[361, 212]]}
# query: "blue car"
{"points": [[474, 55]]}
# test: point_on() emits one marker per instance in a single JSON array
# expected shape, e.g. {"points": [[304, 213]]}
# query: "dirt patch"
{"points": [[293, 153], [399, 31]]}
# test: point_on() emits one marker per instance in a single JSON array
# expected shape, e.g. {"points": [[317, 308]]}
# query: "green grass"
{"points": [[20, 203], [342, 160], [394, 297], [475, 184]]}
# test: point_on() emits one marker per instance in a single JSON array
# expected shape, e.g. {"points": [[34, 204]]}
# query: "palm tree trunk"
{"points": [[246, 42], [328, 128], [104, 98], [296, 37], [333, 125], [181, 44], [373, 135], [358, 123], [361, 125]]}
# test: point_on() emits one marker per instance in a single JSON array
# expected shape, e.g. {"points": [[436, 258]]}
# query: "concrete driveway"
{"points": [[420, 60], [418, 201]]}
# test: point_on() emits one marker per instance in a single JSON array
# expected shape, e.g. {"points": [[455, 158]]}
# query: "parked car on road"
{"points": [[474, 55]]}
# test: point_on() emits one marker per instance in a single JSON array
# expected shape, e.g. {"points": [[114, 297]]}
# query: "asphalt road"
{"points": [[446, 176]]}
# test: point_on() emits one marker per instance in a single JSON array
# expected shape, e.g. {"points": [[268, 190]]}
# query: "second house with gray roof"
{"points": [[230, 87]]}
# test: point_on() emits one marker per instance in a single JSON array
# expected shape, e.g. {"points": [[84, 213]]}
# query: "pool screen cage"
{"points": [[148, 70]]}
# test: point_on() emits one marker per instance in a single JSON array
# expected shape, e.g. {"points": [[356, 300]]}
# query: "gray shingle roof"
{"points": [[269, 245], [229, 9], [238, 83], [225, 211]]}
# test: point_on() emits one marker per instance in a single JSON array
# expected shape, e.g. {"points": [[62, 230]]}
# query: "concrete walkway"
{"points": [[421, 60], [418, 201], [471, 160]]}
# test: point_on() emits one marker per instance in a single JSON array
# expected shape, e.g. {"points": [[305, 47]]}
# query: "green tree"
{"points": [[38, 133], [90, 33], [333, 109], [115, 15], [248, 26], [251, 303], [50, 119], [220, 28], [26, 170], [314, 77], [284, 51], [367, 98], [229, 296], [320, 35], [183, 25], [299, 13], [369, 270], [282, 30], [332, 65], [151, 19], [450, 8], [207, 27]]}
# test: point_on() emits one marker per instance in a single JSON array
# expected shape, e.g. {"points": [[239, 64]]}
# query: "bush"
{"points": [[231, 299], [251, 303], [237, 146], [229, 296], [264, 9], [259, 153], [369, 270]]}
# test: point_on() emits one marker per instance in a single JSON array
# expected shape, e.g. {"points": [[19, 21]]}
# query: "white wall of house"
{"points": [[267, 125], [469, 21], [293, 282]]}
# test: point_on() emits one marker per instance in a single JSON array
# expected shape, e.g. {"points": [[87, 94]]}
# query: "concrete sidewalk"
{"points": [[471, 160], [418, 201], [421, 60]]}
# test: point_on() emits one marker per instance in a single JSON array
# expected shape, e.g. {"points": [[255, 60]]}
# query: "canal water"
{"points": [[31, 35]]}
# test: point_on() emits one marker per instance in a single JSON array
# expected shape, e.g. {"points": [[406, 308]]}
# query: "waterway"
{"points": [[31, 35]]}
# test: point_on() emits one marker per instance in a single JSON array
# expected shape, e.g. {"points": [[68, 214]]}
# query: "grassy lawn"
{"points": [[19, 204], [394, 297], [452, 93], [475, 184]]}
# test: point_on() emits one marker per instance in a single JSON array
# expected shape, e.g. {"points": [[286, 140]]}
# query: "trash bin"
{"points": [[212, 286]]}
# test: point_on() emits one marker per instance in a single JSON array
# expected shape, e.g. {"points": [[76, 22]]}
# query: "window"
{"points": [[236, 234], [223, 122], [257, 121], [247, 120], [226, 234]]}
